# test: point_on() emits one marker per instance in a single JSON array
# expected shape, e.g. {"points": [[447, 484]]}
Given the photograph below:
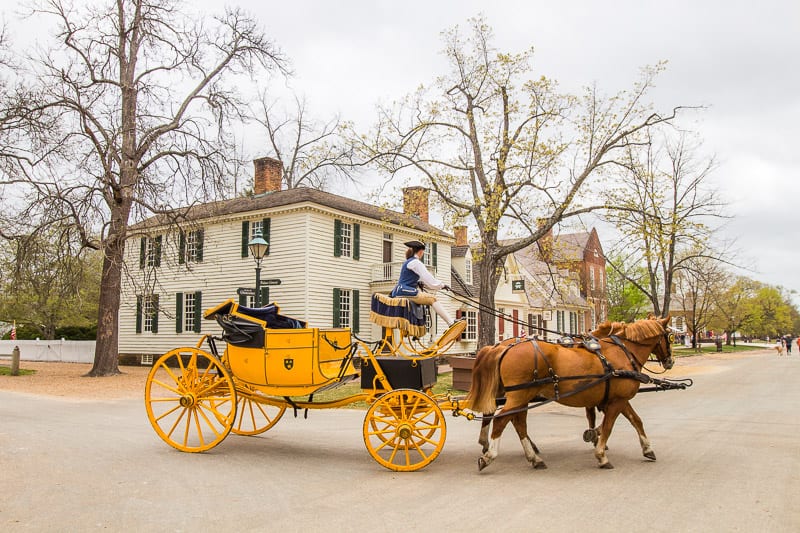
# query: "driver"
{"points": [[412, 274]]}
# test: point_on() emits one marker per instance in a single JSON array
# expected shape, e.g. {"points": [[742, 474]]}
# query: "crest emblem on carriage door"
{"points": [[288, 363]]}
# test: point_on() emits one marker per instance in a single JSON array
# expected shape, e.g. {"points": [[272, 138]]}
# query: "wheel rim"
{"points": [[190, 399], [252, 416], [404, 430]]}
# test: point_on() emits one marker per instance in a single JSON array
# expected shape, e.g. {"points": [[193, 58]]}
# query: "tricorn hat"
{"points": [[415, 245]]}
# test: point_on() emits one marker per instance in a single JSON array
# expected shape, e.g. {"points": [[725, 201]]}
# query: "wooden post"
{"points": [[15, 361]]}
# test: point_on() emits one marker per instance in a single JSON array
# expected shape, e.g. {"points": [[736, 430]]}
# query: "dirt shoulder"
{"points": [[69, 381]]}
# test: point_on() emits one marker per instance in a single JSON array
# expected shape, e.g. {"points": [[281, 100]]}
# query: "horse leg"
{"points": [[590, 435], [612, 411], [483, 438], [520, 421], [493, 449], [636, 422]]}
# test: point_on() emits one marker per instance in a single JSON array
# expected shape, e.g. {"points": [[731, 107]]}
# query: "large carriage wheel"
{"points": [[190, 399], [254, 417], [404, 430]]}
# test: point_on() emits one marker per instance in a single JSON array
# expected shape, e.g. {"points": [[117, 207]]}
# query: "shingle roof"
{"points": [[288, 197]]}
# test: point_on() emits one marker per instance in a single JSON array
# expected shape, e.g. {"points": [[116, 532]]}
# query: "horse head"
{"points": [[663, 349], [650, 331]]}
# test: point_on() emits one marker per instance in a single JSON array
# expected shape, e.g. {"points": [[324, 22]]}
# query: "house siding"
{"points": [[301, 256]]}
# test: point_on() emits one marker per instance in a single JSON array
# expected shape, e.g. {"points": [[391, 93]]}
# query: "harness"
{"points": [[593, 345]]}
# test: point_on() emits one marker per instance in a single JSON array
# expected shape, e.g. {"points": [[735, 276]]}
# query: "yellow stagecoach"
{"points": [[195, 397]]}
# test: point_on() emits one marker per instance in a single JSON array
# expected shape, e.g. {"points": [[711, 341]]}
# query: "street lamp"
{"points": [[258, 249]]}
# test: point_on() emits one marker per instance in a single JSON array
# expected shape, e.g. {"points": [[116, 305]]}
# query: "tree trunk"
{"points": [[106, 353], [489, 278]]}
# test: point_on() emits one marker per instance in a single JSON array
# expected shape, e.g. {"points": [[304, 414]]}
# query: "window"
{"points": [[591, 277], [346, 309], [560, 321], [251, 228], [468, 269], [573, 322], [249, 300], [471, 332], [147, 313], [429, 258], [191, 247], [188, 309], [150, 252], [346, 239]]}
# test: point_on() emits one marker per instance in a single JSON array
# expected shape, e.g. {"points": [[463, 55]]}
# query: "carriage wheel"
{"points": [[190, 399], [404, 430], [254, 417]]}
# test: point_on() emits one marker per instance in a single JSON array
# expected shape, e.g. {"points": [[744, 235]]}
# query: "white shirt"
{"points": [[427, 279]]}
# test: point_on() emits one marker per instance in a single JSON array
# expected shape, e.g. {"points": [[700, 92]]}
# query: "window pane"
{"points": [[188, 311]]}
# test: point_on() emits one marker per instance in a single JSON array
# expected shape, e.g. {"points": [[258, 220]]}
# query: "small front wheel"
{"points": [[404, 430], [190, 399]]}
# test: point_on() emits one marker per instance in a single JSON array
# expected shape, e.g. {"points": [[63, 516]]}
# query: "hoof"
{"points": [[482, 463], [590, 435], [650, 455], [540, 466], [607, 466]]}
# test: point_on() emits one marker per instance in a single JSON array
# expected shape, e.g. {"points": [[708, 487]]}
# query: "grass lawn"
{"points": [[6, 371]]}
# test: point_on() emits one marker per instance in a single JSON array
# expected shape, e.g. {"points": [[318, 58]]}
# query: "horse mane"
{"points": [[638, 331]]}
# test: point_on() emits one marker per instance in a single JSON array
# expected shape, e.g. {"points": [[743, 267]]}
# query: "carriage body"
{"points": [[195, 398], [291, 360]]}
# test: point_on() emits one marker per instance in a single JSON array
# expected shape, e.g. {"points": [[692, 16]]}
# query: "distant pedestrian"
{"points": [[788, 344]]}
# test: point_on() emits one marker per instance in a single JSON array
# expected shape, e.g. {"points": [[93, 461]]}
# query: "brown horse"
{"points": [[577, 377]]}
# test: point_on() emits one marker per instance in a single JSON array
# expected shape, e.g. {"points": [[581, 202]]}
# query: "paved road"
{"points": [[727, 451]]}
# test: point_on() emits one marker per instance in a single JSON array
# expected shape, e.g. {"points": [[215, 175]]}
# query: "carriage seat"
{"points": [[245, 326], [398, 313]]}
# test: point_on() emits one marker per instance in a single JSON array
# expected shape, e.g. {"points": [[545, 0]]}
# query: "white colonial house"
{"points": [[532, 296], [327, 255]]}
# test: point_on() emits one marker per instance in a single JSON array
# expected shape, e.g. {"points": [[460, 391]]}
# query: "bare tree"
{"points": [[144, 97], [663, 207], [313, 152], [696, 285], [503, 149]]}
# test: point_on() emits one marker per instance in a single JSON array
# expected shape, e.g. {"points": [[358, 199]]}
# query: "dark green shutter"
{"points": [[182, 248], [157, 250], [139, 313], [198, 310], [356, 241], [142, 250], [245, 237], [243, 300], [337, 308], [356, 312], [434, 251], [264, 295], [265, 227], [337, 238], [200, 236], [155, 313], [178, 312]]}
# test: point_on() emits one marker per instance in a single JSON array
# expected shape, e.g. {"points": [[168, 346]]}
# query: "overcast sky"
{"points": [[739, 58]]}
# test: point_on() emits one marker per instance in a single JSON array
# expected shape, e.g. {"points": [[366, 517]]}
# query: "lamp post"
{"points": [[258, 249]]}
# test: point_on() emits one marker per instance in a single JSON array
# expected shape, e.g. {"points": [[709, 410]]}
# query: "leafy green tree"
{"points": [[626, 302], [50, 283]]}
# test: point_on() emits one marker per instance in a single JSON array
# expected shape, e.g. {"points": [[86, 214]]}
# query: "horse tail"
{"points": [[485, 380]]}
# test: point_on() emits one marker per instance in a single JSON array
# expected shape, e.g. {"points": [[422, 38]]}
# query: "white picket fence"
{"points": [[52, 350]]}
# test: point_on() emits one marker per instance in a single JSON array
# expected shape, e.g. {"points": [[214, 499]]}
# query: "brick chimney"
{"points": [[461, 235], [268, 174], [415, 202]]}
